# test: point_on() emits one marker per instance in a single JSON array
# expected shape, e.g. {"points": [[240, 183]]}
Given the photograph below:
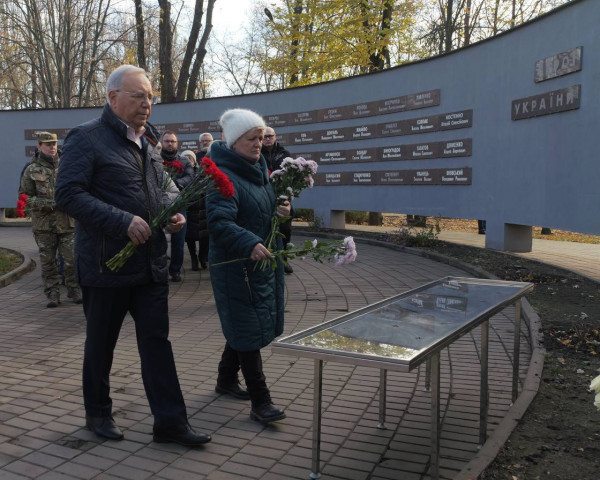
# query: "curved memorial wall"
{"points": [[505, 130]]}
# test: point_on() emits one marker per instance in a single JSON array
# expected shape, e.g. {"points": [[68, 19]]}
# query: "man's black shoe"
{"points": [[175, 277], [266, 413], [181, 434], [287, 268], [234, 390], [104, 427], [195, 263]]}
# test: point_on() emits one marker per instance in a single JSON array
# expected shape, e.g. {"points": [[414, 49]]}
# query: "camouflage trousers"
{"points": [[50, 245]]}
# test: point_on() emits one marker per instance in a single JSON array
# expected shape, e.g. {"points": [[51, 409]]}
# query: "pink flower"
{"points": [[350, 252]]}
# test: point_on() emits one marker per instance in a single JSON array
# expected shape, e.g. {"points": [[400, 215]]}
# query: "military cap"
{"points": [[45, 137]]}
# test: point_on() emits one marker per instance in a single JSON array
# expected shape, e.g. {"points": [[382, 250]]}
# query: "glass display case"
{"points": [[402, 332]]}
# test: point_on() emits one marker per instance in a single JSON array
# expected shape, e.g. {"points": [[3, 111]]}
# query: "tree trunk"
{"points": [[448, 27], [200, 54], [295, 43], [165, 34], [140, 32]]}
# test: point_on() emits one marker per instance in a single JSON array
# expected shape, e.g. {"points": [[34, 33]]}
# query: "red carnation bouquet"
{"points": [[212, 175], [173, 168], [21, 205]]}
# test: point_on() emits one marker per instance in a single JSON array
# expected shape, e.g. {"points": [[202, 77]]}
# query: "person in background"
{"points": [[205, 140], [274, 154], [112, 181], [53, 229], [250, 299], [169, 154], [196, 220]]}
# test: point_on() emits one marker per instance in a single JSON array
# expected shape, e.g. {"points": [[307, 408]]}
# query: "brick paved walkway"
{"points": [[41, 413]]}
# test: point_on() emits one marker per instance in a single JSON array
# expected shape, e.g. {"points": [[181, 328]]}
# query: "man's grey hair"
{"points": [[115, 79], [205, 133]]}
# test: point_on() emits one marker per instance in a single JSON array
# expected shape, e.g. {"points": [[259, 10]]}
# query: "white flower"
{"points": [[276, 173], [597, 401], [595, 385], [314, 245], [312, 166]]}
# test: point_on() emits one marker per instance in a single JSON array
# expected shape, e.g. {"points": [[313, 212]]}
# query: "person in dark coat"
{"points": [[196, 222], [250, 300], [274, 154], [111, 180]]}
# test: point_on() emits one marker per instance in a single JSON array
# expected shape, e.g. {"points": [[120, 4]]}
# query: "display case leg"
{"points": [[382, 397], [435, 416], [316, 440], [483, 388], [516, 351]]}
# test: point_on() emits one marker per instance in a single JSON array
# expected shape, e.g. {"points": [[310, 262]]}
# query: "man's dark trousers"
{"points": [[105, 309]]}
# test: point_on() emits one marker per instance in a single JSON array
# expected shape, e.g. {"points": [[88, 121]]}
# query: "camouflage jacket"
{"points": [[38, 184]]}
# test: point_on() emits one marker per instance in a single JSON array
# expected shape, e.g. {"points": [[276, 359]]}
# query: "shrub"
{"points": [[304, 214], [413, 237], [356, 217]]}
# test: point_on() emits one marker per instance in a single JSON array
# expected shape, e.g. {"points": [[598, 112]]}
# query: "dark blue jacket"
{"points": [[250, 301], [104, 180]]}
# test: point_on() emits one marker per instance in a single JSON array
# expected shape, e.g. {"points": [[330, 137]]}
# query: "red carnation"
{"points": [[21, 204]]}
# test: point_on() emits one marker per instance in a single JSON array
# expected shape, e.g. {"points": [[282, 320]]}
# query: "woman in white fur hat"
{"points": [[250, 300]]}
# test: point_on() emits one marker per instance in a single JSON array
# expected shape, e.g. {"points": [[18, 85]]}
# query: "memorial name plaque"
{"points": [[416, 151], [213, 126], [423, 176], [424, 150], [277, 120], [456, 148], [423, 125], [364, 154], [333, 135], [332, 114], [364, 131], [393, 128], [187, 128], [392, 153], [558, 65], [304, 117], [299, 138], [332, 157], [362, 110], [61, 133], [456, 176], [462, 119], [189, 145], [423, 100], [556, 101]]}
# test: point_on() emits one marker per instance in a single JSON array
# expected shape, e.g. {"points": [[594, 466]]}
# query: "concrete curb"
{"points": [[27, 266], [489, 451]]}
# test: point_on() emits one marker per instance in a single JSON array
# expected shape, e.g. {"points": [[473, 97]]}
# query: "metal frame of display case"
{"points": [[429, 353]]}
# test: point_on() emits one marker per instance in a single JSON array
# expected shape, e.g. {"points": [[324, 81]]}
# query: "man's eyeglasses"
{"points": [[140, 96], [268, 136]]}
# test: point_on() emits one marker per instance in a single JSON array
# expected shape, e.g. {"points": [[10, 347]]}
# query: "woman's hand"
{"points": [[260, 252], [284, 210]]}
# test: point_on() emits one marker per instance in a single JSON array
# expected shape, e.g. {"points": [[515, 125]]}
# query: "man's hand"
{"points": [[176, 223], [138, 230]]}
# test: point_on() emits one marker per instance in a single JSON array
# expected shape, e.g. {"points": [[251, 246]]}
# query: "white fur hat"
{"points": [[237, 121], [189, 154]]}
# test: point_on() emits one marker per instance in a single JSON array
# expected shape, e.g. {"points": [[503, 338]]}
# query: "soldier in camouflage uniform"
{"points": [[53, 230]]}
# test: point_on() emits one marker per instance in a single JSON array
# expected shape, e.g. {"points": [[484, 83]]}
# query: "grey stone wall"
{"points": [[505, 130]]}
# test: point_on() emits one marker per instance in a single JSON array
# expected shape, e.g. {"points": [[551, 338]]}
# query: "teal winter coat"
{"points": [[250, 301]]}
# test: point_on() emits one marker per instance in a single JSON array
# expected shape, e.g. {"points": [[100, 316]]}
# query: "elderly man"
{"points": [[205, 140], [274, 154], [52, 228], [111, 181]]}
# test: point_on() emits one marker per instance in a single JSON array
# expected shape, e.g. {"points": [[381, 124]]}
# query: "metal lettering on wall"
{"points": [[556, 101], [558, 65], [424, 176], [416, 151]]}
